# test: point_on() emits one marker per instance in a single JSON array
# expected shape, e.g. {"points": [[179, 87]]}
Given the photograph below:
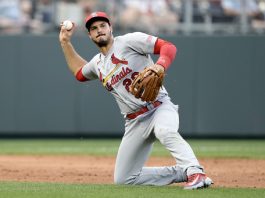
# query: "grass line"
{"points": [[203, 148]]}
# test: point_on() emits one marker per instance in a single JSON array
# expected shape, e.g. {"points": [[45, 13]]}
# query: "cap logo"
{"points": [[94, 14]]}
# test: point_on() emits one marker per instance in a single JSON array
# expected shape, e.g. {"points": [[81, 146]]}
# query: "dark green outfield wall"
{"points": [[219, 83]]}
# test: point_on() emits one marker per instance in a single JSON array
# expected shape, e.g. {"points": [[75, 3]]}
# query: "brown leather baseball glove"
{"points": [[147, 84]]}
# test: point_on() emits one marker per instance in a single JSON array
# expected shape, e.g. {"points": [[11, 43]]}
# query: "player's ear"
{"points": [[88, 33]]}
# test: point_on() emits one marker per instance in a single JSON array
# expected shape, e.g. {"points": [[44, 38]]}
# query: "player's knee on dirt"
{"points": [[123, 179], [119, 180]]}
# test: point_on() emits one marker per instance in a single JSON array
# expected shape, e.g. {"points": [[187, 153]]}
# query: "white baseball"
{"points": [[68, 25]]}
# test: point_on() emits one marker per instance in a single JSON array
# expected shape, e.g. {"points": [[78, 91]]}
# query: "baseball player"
{"points": [[126, 70]]}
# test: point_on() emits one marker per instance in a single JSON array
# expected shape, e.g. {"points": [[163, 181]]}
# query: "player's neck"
{"points": [[105, 49]]}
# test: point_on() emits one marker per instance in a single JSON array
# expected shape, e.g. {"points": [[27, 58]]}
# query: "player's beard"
{"points": [[103, 42]]}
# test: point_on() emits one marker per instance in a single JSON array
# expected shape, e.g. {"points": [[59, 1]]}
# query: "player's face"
{"points": [[101, 33]]}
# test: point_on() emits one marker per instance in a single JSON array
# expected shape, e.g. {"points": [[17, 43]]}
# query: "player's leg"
{"points": [[166, 127], [166, 130], [133, 152]]}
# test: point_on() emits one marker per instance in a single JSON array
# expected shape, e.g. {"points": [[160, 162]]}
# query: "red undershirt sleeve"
{"points": [[80, 77], [167, 52]]}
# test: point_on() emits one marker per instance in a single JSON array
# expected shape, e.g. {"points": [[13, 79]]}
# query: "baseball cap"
{"points": [[95, 16]]}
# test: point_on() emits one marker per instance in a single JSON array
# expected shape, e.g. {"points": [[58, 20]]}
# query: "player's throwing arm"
{"points": [[73, 59]]}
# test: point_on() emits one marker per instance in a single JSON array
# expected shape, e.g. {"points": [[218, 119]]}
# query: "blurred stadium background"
{"points": [[217, 78], [159, 16]]}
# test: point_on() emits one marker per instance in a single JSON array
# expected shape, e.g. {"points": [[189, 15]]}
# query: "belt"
{"points": [[143, 110]]}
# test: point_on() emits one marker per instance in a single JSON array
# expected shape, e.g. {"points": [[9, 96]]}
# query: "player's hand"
{"points": [[65, 35]]}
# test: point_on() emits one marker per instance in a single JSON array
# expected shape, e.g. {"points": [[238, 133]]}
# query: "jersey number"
{"points": [[127, 82]]}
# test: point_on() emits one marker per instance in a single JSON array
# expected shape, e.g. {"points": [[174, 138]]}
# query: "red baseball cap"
{"points": [[95, 16]]}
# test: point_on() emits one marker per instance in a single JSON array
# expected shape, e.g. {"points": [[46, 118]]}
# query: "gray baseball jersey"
{"points": [[129, 55]]}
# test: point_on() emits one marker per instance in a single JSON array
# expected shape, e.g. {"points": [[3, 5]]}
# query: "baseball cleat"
{"points": [[198, 181]]}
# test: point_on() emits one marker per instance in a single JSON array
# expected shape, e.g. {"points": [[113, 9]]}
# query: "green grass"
{"points": [[45, 190], [202, 148], [230, 148]]}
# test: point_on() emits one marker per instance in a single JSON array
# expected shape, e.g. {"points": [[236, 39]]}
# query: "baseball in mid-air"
{"points": [[68, 25]]}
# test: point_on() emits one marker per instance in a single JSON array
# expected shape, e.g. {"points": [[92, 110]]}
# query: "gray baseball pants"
{"points": [[161, 123]]}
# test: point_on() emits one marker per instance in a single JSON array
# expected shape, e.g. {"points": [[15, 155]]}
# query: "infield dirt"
{"points": [[99, 170]]}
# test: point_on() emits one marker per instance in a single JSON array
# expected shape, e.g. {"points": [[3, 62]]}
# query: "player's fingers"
{"points": [[64, 35], [63, 29]]}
